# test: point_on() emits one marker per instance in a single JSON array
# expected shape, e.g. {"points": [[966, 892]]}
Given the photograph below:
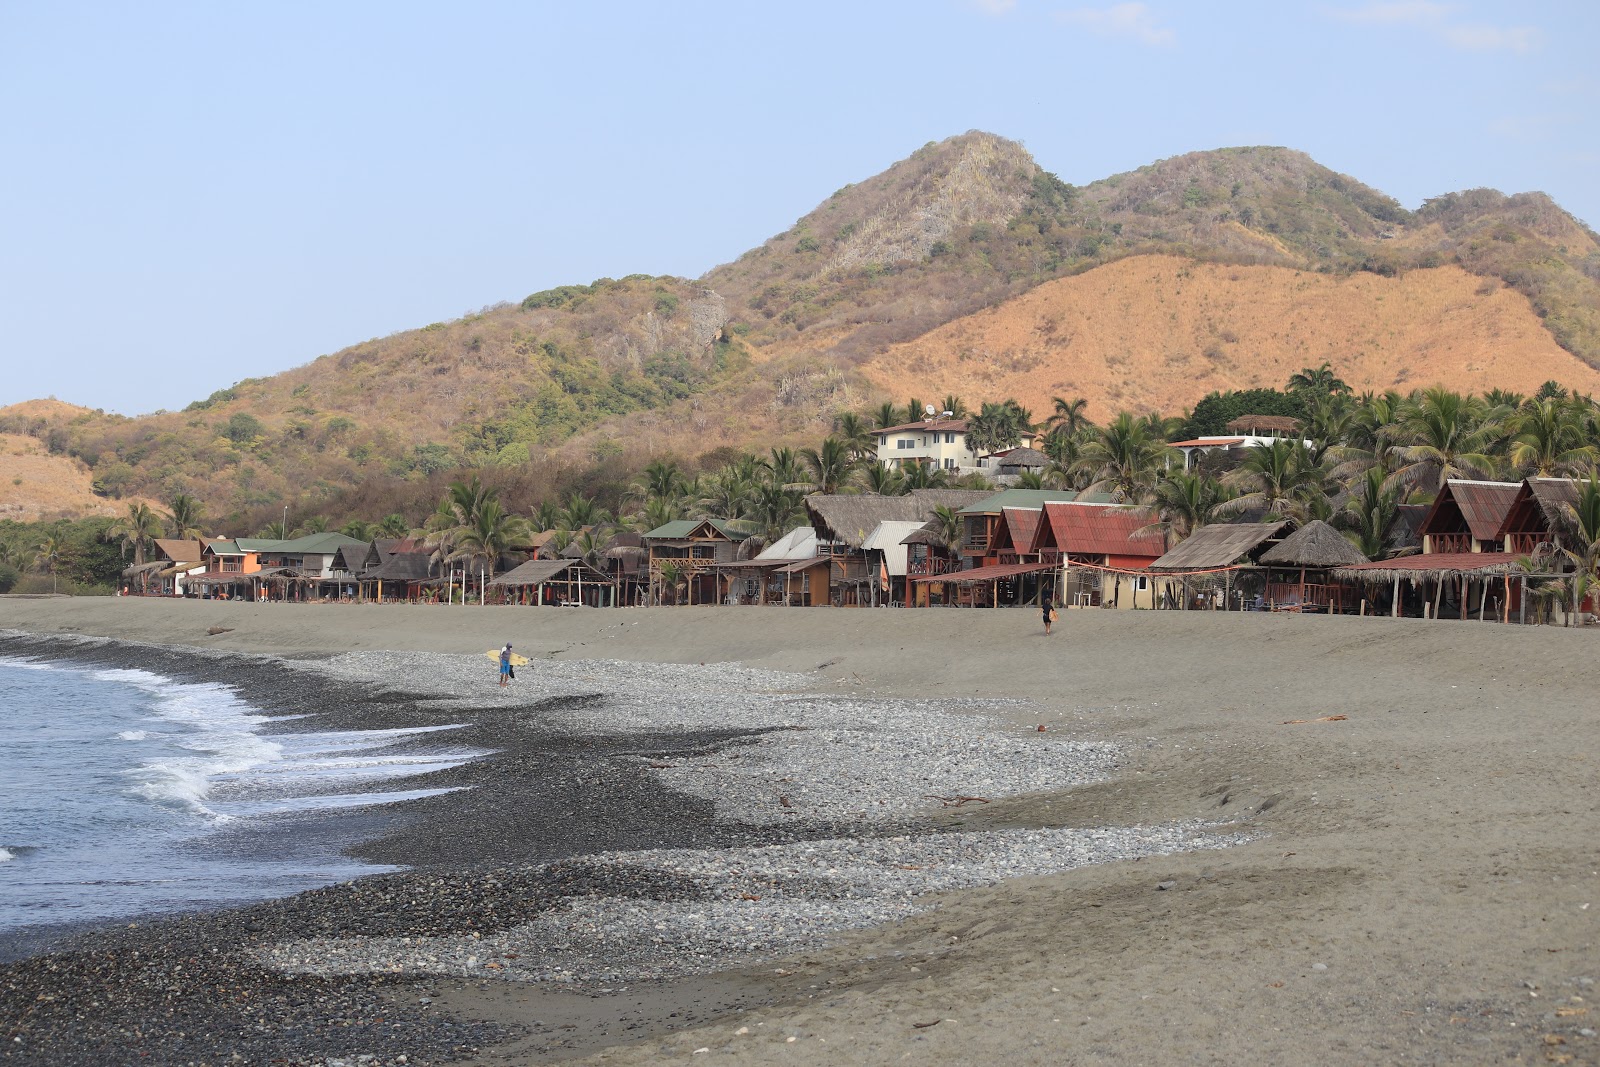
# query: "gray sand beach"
{"points": [[1236, 839]]}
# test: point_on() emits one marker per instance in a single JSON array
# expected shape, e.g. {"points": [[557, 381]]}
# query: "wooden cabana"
{"points": [[401, 576], [557, 582], [1497, 577], [1221, 558], [1299, 569]]}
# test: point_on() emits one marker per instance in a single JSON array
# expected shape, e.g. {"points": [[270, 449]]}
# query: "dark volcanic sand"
{"points": [[180, 990]]}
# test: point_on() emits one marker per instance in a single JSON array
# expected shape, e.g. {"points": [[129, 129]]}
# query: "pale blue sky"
{"points": [[192, 194]]}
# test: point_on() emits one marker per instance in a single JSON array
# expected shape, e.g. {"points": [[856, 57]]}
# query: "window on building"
{"points": [[905, 442], [1141, 581], [949, 438], [949, 463]]}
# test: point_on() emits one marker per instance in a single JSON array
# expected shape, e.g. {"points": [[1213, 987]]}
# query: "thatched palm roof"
{"points": [[539, 571], [1220, 545], [1270, 423], [847, 518], [1024, 458], [1316, 544]]}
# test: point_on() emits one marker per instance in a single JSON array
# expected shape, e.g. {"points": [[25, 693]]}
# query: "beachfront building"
{"points": [[1096, 547], [567, 583], [172, 562], [843, 523], [937, 441], [1247, 431], [683, 556], [1218, 566], [1299, 569], [1475, 539], [988, 538], [767, 577]]}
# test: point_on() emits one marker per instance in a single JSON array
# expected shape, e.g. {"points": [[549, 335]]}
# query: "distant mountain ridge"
{"points": [[764, 349]]}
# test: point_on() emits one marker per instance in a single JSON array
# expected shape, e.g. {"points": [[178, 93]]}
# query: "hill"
{"points": [[965, 264], [1155, 333]]}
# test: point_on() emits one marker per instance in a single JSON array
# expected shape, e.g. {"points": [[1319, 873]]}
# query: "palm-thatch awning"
{"points": [[144, 568], [847, 518], [1431, 566], [1316, 544], [1253, 424], [1220, 545], [541, 571]]}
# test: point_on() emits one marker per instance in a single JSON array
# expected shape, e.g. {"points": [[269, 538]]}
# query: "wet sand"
{"points": [[1424, 888]]}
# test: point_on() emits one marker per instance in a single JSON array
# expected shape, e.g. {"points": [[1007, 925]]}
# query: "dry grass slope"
{"points": [[1159, 332]]}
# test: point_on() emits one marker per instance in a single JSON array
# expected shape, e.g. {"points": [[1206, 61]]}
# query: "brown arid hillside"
{"points": [[36, 485], [961, 268], [1156, 333]]}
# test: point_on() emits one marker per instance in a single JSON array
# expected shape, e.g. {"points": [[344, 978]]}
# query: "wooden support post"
{"points": [[1483, 598], [1394, 610], [1363, 607], [1438, 592], [1464, 593]]}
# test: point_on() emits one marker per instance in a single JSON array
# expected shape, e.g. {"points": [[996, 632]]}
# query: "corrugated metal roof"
{"points": [[798, 543], [1100, 530], [1219, 545], [1017, 498], [1023, 525], [538, 571], [680, 529], [1482, 504]]}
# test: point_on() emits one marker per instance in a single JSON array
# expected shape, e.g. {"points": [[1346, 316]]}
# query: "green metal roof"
{"points": [[681, 528], [255, 544], [325, 543], [1018, 498]]}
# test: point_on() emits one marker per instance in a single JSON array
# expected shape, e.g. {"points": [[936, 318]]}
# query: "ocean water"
{"points": [[126, 793]]}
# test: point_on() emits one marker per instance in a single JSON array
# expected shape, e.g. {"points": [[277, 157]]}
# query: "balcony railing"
{"points": [[1451, 542], [1525, 543], [931, 565]]}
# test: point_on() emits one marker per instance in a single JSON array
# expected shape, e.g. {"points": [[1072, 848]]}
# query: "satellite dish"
{"points": [[929, 410]]}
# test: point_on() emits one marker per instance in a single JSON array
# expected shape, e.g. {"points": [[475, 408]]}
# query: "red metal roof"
{"points": [[987, 574], [1482, 504], [1100, 530], [1023, 524], [941, 425], [1440, 561]]}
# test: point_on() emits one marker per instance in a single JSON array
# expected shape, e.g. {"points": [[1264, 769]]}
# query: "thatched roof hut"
{"points": [[1021, 459], [1431, 567], [847, 518], [1264, 425], [1314, 545], [1221, 545]]}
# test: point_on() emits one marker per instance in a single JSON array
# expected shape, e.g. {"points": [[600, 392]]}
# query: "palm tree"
{"points": [[1277, 477], [1122, 458], [955, 406], [672, 577], [1069, 416], [1550, 440], [360, 529], [1444, 435], [274, 531], [784, 468], [1330, 419], [394, 525], [51, 551], [582, 511], [547, 516], [593, 545], [774, 509], [662, 480], [882, 479], [658, 513], [312, 524], [1183, 502], [1030, 480], [857, 435], [183, 517], [1369, 512], [887, 415], [914, 412], [488, 534], [830, 466], [726, 495], [947, 525], [1319, 380], [137, 529], [923, 476], [996, 426]]}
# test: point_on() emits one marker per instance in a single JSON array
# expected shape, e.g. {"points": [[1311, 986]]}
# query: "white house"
{"points": [[936, 441]]}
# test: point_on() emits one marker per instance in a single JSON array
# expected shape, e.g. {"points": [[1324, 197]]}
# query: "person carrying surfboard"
{"points": [[505, 665]]}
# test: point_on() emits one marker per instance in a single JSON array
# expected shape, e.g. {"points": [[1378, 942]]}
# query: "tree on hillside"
{"points": [[360, 529], [393, 525], [1211, 415], [1068, 415], [662, 479], [923, 476], [886, 415], [489, 533], [1549, 439], [997, 426], [914, 410], [882, 479], [956, 406], [830, 466], [183, 518], [858, 437], [1183, 502], [1316, 381], [1369, 511]]}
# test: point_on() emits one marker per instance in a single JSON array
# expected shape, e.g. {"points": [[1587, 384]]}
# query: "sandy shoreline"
{"points": [[1421, 865]]}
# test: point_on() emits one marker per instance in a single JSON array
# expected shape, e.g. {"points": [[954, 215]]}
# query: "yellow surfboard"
{"points": [[516, 660]]}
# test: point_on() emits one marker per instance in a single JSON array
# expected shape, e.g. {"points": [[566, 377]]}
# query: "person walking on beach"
{"points": [[1049, 614], [505, 665]]}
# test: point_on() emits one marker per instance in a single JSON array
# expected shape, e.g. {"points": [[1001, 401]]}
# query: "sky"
{"points": [[195, 194]]}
